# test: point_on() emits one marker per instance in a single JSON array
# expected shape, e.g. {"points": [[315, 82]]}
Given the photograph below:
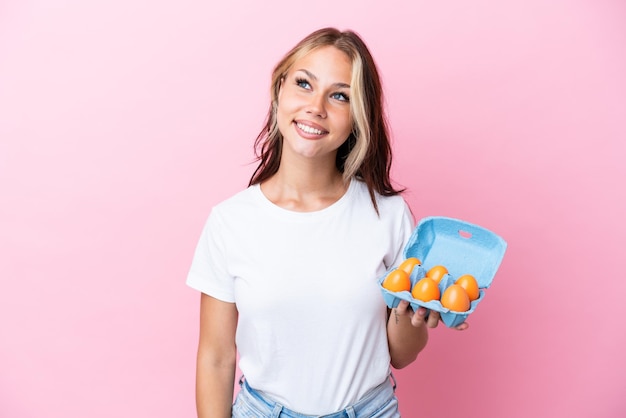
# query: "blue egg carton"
{"points": [[460, 246]]}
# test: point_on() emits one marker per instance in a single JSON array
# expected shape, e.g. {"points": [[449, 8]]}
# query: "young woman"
{"points": [[288, 268]]}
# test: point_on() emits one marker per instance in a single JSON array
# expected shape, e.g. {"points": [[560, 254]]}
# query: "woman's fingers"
{"points": [[419, 317], [424, 316], [402, 307], [462, 326]]}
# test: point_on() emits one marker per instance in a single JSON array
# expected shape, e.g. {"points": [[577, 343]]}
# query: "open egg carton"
{"points": [[463, 248]]}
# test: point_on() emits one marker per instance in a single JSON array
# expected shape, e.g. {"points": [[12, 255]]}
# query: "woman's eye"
{"points": [[340, 96], [301, 82]]}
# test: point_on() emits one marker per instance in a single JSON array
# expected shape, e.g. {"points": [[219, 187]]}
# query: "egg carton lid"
{"points": [[460, 246]]}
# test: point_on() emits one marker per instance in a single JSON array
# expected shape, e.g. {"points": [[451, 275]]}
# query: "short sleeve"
{"points": [[209, 267], [403, 233]]}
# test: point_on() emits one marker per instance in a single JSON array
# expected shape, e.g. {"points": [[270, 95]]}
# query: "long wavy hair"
{"points": [[366, 154]]}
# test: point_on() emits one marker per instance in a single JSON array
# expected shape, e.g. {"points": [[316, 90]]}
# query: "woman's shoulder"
{"points": [[388, 207], [245, 199], [394, 201]]}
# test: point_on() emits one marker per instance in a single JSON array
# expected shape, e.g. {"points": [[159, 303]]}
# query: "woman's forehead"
{"points": [[327, 62]]}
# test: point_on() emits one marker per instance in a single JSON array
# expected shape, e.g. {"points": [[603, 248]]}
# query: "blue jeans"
{"points": [[380, 402]]}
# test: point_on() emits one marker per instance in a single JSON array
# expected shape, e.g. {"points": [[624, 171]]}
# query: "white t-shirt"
{"points": [[312, 320]]}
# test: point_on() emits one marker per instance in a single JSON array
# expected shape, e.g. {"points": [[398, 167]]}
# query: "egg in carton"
{"points": [[460, 246]]}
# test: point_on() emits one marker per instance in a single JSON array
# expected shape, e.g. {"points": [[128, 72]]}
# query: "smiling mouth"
{"points": [[310, 129]]}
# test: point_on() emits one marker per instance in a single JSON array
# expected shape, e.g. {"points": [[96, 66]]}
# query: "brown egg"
{"points": [[455, 298]]}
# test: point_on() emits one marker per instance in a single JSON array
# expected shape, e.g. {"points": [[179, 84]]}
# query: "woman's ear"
{"points": [[280, 87]]}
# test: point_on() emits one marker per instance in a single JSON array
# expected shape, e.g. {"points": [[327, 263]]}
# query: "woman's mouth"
{"points": [[310, 130]]}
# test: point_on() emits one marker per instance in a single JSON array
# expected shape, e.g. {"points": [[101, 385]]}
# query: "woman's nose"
{"points": [[317, 105]]}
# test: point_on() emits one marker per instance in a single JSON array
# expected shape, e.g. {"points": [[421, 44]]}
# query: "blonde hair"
{"points": [[366, 154]]}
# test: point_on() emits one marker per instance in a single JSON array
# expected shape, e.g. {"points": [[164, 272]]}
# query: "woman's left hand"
{"points": [[431, 319], [407, 332]]}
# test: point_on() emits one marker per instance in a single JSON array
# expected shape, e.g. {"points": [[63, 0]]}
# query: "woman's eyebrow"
{"points": [[314, 78]]}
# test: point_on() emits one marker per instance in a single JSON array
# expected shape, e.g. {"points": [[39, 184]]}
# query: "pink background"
{"points": [[123, 121]]}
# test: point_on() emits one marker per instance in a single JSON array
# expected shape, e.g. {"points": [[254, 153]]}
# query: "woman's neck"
{"points": [[305, 187]]}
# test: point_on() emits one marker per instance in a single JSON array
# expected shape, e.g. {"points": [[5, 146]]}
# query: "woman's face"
{"points": [[313, 112]]}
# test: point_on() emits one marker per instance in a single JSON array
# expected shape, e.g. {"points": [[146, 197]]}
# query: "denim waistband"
{"points": [[388, 386]]}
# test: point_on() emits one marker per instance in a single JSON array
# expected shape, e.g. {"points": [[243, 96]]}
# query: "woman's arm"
{"points": [[407, 333], [217, 356], [405, 340]]}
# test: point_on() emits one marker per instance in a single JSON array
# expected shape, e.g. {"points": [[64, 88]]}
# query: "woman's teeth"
{"points": [[309, 129]]}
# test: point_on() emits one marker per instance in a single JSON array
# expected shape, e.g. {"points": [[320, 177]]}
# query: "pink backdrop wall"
{"points": [[123, 122]]}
